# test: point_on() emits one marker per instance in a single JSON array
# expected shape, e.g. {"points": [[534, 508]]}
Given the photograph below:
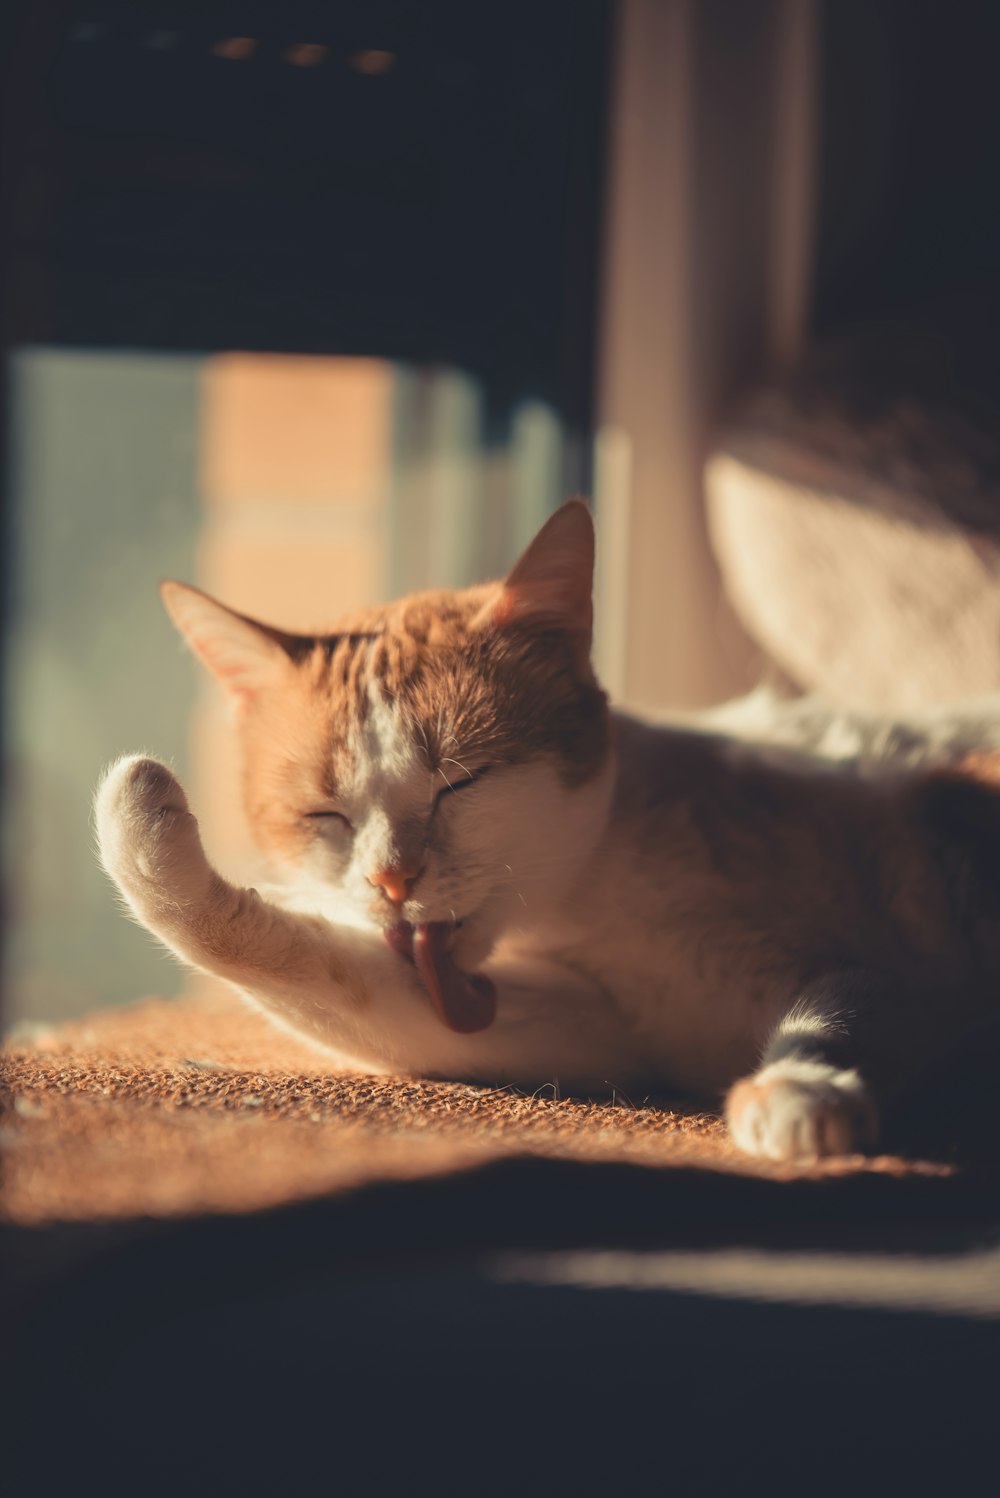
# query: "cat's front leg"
{"points": [[807, 1099], [317, 977], [342, 986]]}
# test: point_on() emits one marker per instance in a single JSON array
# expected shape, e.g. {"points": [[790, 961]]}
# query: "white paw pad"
{"points": [[797, 1109]]}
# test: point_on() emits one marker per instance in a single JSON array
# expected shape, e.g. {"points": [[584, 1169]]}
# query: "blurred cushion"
{"points": [[855, 514]]}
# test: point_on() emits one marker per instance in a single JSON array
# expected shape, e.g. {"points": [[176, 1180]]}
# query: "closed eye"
{"points": [[461, 785], [328, 816]]}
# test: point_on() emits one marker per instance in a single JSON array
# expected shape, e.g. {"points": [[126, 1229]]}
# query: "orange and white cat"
{"points": [[486, 874]]}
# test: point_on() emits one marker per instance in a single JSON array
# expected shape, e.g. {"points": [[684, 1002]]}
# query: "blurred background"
{"points": [[312, 305]]}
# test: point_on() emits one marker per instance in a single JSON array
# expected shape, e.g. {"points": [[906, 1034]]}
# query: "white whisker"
{"points": [[457, 762]]}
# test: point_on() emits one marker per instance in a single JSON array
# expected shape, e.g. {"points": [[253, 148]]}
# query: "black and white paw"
{"points": [[147, 838], [797, 1109]]}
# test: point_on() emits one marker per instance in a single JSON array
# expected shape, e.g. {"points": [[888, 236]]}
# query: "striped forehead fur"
{"points": [[499, 695]]}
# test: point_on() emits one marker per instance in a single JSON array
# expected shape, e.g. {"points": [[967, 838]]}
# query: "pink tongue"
{"points": [[465, 1002]]}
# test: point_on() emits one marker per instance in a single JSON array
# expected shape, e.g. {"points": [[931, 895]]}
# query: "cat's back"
{"points": [[734, 870], [721, 843]]}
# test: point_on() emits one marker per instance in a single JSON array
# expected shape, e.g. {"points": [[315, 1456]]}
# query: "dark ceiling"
{"points": [[420, 181]]}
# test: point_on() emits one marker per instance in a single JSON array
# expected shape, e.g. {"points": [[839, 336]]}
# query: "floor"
{"points": [[225, 1270]]}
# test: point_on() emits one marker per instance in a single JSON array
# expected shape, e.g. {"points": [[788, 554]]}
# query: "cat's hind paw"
{"points": [[797, 1109]]}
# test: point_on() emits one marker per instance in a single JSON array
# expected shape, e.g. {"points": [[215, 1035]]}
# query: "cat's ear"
{"points": [[552, 584], [245, 657]]}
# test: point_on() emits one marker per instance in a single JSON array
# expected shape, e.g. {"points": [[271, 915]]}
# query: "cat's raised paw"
{"points": [[137, 786], [798, 1109], [144, 827]]}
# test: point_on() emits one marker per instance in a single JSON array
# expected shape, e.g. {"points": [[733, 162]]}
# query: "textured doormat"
{"points": [[194, 1106]]}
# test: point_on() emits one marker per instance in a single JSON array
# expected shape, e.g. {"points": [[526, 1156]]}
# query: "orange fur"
{"points": [[479, 696], [493, 674]]}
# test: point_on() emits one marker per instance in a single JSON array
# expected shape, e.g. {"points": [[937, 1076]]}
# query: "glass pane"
{"points": [[294, 489]]}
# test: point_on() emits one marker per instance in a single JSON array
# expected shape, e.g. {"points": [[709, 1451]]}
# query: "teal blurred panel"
{"points": [[436, 507], [464, 505], [104, 500], [537, 464]]}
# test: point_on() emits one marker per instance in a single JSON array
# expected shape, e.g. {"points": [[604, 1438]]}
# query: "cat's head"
{"points": [[444, 759]]}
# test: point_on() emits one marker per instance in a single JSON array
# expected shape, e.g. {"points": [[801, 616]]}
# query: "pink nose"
{"points": [[396, 882]]}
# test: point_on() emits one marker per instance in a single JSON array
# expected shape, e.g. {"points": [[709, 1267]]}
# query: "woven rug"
{"points": [[178, 1108]]}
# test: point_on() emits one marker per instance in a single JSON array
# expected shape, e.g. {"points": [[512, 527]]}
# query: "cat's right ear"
{"points": [[551, 585], [246, 658]]}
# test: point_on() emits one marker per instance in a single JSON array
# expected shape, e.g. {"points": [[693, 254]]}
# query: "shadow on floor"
{"points": [[366, 1340]]}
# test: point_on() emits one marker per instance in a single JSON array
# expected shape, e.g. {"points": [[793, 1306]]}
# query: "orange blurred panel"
{"points": [[292, 578], [279, 428], [217, 789]]}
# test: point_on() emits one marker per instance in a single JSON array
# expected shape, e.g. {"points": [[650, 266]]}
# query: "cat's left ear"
{"points": [[245, 657], [552, 585]]}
